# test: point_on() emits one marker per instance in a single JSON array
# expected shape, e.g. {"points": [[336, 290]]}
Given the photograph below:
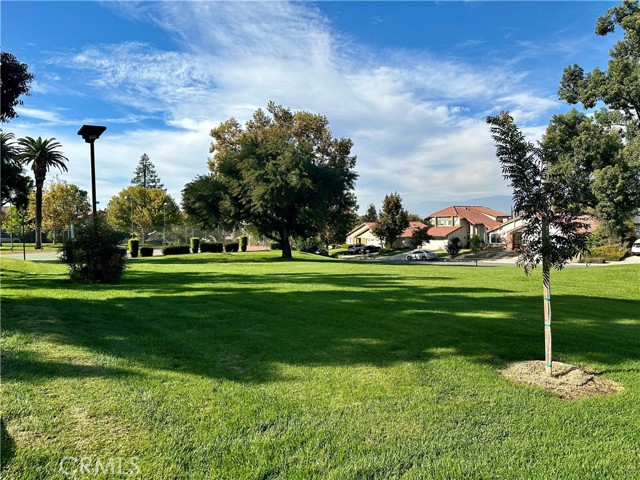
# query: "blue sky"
{"points": [[409, 82]]}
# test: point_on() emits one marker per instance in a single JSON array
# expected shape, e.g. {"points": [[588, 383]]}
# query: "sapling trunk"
{"points": [[546, 292]]}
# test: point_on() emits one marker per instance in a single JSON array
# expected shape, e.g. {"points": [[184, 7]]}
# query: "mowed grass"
{"points": [[244, 366]]}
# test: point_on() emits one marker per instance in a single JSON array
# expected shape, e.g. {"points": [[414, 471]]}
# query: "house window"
{"points": [[494, 238], [444, 222]]}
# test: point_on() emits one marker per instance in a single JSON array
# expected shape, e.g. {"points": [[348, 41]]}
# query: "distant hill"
{"points": [[497, 202]]}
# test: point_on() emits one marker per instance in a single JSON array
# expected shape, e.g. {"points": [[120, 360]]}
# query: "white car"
{"points": [[422, 255], [635, 248]]}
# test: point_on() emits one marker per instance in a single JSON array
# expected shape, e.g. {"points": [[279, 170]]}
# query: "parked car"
{"points": [[323, 252], [422, 255], [365, 249], [635, 248]]}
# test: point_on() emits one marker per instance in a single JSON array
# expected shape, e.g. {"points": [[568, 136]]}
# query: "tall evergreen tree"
{"points": [[371, 215], [392, 221], [145, 174]]}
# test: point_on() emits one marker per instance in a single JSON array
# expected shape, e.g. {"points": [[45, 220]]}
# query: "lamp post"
{"points": [[90, 133], [164, 225]]}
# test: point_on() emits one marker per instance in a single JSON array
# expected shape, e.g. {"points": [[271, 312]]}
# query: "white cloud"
{"points": [[416, 120]]}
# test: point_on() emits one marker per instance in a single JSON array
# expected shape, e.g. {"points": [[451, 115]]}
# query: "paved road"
{"points": [[502, 262]]}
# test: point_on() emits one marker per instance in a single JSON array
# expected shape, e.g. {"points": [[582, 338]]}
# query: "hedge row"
{"points": [[146, 251], [176, 250]]}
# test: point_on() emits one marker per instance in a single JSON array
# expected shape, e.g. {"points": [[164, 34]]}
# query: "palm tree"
{"points": [[42, 155]]}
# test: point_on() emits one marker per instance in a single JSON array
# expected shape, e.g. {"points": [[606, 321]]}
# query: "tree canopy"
{"points": [[284, 173], [392, 221], [371, 215], [145, 207], [603, 151], [145, 174], [14, 82], [619, 85], [62, 203]]}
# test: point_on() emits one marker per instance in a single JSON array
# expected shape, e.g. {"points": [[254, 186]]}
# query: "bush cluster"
{"points": [[194, 243], [610, 253], [146, 251], [133, 244], [176, 250], [214, 247], [94, 256], [275, 246], [232, 247]]}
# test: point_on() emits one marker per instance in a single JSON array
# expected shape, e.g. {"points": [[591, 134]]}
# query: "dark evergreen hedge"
{"points": [[133, 244], [215, 247], [176, 250], [194, 243], [146, 251], [232, 247]]}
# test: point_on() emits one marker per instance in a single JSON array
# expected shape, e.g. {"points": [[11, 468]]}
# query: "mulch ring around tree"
{"points": [[567, 381]]}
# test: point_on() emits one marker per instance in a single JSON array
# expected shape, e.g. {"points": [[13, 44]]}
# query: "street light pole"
{"points": [[90, 133]]}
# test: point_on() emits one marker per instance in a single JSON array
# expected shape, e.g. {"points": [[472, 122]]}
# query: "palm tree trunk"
{"points": [[39, 184]]}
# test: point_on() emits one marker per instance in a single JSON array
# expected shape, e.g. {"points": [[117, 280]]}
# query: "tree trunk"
{"points": [[546, 292], [39, 185], [285, 244]]}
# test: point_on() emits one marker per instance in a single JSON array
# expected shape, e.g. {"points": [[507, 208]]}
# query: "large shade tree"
{"points": [[14, 82], [550, 206], [42, 155], [605, 150], [142, 210], [62, 204], [284, 173]]}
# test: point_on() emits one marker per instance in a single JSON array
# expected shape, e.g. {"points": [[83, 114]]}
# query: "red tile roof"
{"points": [[476, 215], [413, 226], [441, 232]]}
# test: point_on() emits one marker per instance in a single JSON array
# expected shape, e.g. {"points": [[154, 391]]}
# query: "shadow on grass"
{"points": [[7, 446], [245, 327]]}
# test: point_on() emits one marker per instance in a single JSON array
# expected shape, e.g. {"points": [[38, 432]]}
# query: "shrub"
{"points": [[194, 242], [133, 244], [244, 242], [275, 246], [146, 251], [215, 247], [611, 253], [475, 244], [94, 255], [176, 250], [232, 247], [308, 245], [453, 247]]}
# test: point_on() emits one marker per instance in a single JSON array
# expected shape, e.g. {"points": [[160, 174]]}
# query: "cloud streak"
{"points": [[416, 120]]}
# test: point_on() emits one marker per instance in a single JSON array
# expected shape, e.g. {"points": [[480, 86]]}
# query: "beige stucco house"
{"points": [[363, 235]]}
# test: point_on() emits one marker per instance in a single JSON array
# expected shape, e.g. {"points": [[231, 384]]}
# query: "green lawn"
{"points": [[245, 366]]}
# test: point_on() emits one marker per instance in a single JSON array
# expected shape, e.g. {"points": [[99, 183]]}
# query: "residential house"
{"points": [[509, 234], [363, 235], [462, 222]]}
